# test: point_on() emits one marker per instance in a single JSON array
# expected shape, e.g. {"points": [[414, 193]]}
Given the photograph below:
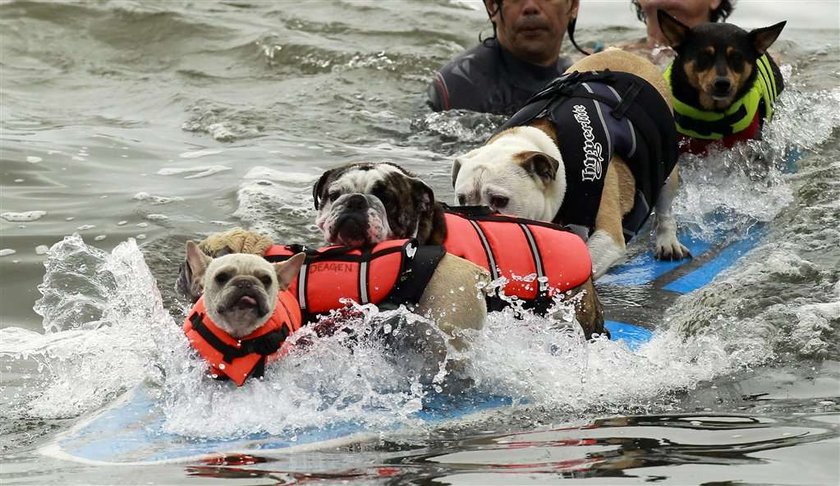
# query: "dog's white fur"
{"points": [[494, 173], [486, 173]]}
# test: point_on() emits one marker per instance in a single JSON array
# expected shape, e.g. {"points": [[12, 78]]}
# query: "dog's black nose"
{"points": [[244, 283], [722, 85], [356, 202]]}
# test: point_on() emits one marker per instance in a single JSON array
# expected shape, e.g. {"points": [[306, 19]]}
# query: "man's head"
{"points": [[532, 30], [689, 12]]}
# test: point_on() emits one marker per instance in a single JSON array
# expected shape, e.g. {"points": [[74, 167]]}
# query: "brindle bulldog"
{"points": [[361, 204]]}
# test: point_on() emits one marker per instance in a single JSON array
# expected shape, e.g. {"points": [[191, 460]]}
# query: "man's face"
{"points": [[532, 30], [689, 12]]}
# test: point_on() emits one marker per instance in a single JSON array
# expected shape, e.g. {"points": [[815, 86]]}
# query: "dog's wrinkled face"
{"points": [[363, 204], [240, 290], [718, 59], [517, 173]]}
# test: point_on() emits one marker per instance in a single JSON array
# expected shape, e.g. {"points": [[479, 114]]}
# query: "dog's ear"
{"points": [[539, 164], [674, 31], [764, 37], [197, 262], [287, 271], [427, 195], [319, 186], [456, 167]]}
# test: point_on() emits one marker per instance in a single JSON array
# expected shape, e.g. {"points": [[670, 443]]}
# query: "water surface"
{"points": [[163, 121]]}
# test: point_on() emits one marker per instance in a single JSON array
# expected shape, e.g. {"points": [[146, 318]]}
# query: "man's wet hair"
{"points": [[490, 14], [719, 14]]}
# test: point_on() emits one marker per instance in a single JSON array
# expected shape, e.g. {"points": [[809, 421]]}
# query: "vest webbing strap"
{"points": [[414, 276], [488, 252], [535, 254], [264, 345], [722, 126], [558, 91]]}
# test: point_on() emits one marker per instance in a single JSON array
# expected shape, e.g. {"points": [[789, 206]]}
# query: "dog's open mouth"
{"points": [[246, 302]]}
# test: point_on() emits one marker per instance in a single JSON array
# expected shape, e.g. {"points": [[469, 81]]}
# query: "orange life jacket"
{"points": [[513, 248], [393, 272], [239, 359]]}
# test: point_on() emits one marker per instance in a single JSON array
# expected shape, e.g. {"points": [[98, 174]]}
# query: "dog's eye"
{"points": [[462, 200], [736, 59], [382, 195], [222, 278], [499, 202], [266, 280], [333, 195], [705, 59]]}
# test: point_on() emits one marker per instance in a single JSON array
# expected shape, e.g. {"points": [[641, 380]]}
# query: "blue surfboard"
{"points": [[130, 430]]}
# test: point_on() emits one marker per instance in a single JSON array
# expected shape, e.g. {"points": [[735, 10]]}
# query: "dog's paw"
{"points": [[604, 252], [670, 248], [236, 240]]}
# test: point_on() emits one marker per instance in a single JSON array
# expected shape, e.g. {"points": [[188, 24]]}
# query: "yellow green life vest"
{"points": [[714, 125]]}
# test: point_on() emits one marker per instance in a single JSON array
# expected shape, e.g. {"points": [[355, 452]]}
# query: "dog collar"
{"points": [[714, 125]]}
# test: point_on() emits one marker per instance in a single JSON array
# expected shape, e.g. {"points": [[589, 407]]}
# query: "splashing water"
{"points": [[106, 329], [122, 336]]}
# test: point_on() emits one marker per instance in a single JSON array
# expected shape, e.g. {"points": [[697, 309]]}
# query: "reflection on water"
{"points": [[614, 449]]}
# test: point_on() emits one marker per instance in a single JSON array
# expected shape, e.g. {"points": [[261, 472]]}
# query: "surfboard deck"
{"points": [[130, 431], [635, 294], [639, 291]]}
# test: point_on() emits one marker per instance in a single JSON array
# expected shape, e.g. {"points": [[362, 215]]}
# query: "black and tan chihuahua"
{"points": [[722, 80]]}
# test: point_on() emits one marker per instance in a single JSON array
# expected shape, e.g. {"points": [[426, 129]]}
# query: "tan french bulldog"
{"points": [[240, 289], [453, 298]]}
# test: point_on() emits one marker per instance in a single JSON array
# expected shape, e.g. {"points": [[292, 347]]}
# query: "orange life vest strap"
{"points": [[389, 274]]}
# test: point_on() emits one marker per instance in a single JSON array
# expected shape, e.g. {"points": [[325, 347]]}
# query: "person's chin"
{"points": [[533, 51]]}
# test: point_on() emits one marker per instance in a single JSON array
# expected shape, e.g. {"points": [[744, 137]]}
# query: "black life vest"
{"points": [[598, 115]]}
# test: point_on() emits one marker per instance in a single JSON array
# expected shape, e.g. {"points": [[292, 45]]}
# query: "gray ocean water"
{"points": [[139, 124]]}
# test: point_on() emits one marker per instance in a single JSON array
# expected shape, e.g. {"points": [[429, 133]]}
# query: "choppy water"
{"points": [[162, 121]]}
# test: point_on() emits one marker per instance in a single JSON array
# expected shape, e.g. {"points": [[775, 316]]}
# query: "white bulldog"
{"points": [[593, 152]]}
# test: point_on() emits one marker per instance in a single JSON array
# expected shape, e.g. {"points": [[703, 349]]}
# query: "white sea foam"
{"points": [[195, 154], [146, 197], [195, 172], [23, 216], [106, 330], [272, 202]]}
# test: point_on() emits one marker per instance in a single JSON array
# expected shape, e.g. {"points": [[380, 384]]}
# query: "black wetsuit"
{"points": [[489, 79]]}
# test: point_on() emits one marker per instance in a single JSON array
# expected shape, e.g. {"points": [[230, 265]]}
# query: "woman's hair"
{"points": [[719, 14]]}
